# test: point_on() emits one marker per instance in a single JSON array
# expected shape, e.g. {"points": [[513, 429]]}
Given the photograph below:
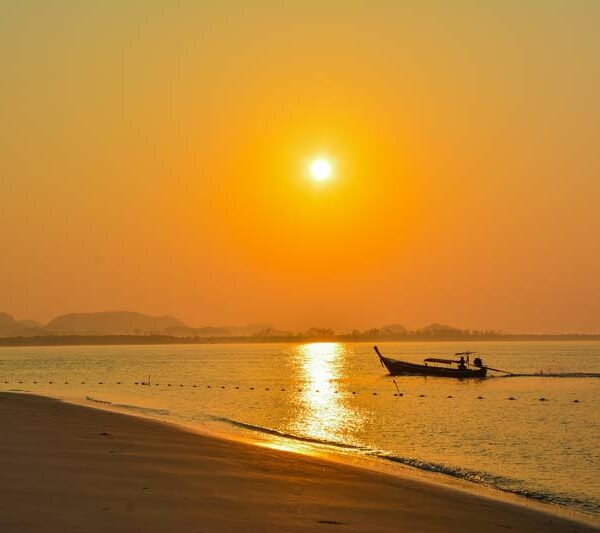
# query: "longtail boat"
{"points": [[462, 370]]}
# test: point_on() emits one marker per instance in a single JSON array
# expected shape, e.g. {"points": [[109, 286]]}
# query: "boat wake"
{"points": [[543, 374], [504, 484]]}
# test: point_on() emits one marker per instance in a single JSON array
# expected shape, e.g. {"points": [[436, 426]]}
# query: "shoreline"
{"points": [[166, 340], [89, 455]]}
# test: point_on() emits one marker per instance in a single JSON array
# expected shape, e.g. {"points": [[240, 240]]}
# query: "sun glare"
{"points": [[320, 169]]}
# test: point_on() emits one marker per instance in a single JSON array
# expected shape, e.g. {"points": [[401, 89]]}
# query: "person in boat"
{"points": [[461, 364]]}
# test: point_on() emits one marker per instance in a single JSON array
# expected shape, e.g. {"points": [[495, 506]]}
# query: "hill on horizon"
{"points": [[120, 323], [9, 327], [113, 323]]}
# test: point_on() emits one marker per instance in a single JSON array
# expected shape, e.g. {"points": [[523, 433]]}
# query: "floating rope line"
{"points": [[279, 389]]}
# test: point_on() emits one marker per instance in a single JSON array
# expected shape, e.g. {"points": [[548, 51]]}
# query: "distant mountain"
{"points": [[272, 332], [208, 331], [393, 329], [9, 327], [114, 323], [219, 331], [438, 329], [249, 330], [138, 324], [130, 323]]}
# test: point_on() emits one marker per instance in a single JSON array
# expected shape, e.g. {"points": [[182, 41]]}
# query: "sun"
{"points": [[320, 169]]}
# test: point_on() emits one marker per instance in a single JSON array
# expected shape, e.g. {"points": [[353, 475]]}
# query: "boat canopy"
{"points": [[445, 361]]}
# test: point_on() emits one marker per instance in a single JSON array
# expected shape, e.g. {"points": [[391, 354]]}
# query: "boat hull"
{"points": [[402, 368]]}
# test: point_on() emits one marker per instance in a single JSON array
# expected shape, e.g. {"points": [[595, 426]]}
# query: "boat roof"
{"points": [[465, 353], [445, 361]]}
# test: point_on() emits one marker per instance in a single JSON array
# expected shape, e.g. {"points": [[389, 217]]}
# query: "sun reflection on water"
{"points": [[324, 413]]}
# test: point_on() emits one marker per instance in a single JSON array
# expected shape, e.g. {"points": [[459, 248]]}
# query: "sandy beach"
{"points": [[71, 468]]}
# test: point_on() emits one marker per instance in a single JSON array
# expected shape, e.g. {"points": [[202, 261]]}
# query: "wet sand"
{"points": [[71, 468]]}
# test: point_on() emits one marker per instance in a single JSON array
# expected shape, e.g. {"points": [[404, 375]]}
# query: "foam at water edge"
{"points": [[504, 484]]}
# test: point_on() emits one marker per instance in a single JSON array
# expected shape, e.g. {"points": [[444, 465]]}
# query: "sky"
{"points": [[154, 157]]}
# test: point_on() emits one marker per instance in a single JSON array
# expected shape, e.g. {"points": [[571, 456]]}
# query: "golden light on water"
{"points": [[325, 414]]}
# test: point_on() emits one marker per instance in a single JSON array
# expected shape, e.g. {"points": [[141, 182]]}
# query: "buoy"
{"points": [[374, 394], [83, 382], [421, 396], [118, 382], [194, 386], [449, 396], [542, 399], [282, 390], [575, 401], [35, 382], [181, 385], [511, 398], [168, 384], [266, 388], [100, 383], [480, 397], [66, 382], [208, 387], [48, 382], [251, 388], [222, 386], [237, 388], [353, 392]]}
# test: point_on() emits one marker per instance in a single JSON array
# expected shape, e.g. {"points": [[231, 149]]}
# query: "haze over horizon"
{"points": [[126, 322], [155, 158]]}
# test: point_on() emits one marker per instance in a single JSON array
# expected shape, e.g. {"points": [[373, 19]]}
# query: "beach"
{"points": [[72, 468]]}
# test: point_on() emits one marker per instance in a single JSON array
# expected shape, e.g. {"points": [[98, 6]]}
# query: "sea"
{"points": [[534, 434]]}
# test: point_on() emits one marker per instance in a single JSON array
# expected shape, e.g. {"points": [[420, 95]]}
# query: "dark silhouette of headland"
{"points": [[125, 327]]}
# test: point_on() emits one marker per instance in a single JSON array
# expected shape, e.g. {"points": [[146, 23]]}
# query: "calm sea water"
{"points": [[338, 396]]}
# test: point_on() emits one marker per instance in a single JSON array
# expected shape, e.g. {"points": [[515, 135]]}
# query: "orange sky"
{"points": [[153, 158]]}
